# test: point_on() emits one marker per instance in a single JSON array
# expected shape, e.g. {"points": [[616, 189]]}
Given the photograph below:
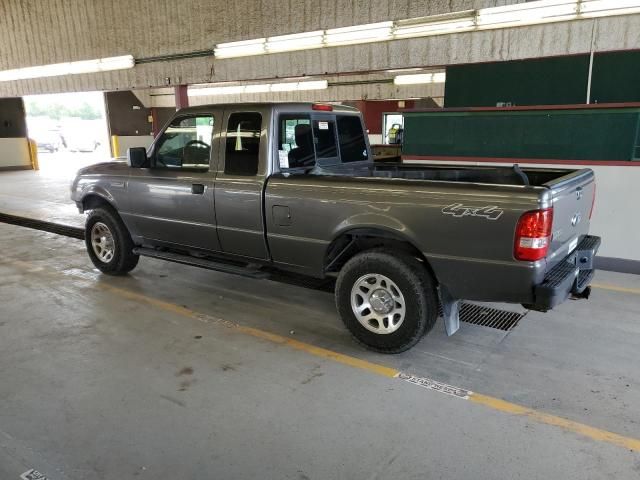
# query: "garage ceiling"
{"points": [[53, 31]]}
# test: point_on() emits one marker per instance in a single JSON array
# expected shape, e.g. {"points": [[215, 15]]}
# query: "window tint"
{"points": [[353, 147], [243, 143], [325, 138], [186, 143], [295, 141]]}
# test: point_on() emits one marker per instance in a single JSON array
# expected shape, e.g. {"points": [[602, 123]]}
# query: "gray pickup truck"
{"points": [[257, 188]]}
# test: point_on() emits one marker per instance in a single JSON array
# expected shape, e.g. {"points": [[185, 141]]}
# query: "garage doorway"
{"points": [[70, 130]]}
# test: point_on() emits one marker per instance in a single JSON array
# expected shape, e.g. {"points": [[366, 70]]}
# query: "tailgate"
{"points": [[573, 196]]}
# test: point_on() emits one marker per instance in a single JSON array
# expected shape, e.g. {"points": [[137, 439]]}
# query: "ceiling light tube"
{"points": [[436, 77], [371, 32], [435, 24], [541, 11], [314, 85], [240, 49], [257, 88], [68, 68], [296, 41], [605, 8]]}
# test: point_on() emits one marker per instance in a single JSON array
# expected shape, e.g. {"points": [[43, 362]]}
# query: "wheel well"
{"points": [[91, 202], [350, 243]]}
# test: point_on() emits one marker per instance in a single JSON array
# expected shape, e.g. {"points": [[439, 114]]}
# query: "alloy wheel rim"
{"points": [[102, 242], [378, 304]]}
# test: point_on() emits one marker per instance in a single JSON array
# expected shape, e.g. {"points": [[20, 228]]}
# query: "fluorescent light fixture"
{"points": [[370, 32], [604, 8], [436, 77], [258, 88], [68, 68], [204, 92], [299, 86], [435, 24], [296, 41], [529, 13], [243, 48], [314, 85], [402, 70], [514, 15]]}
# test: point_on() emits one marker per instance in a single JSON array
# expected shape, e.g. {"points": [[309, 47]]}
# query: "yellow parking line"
{"points": [[254, 332], [616, 289], [485, 400], [569, 425], [493, 403]]}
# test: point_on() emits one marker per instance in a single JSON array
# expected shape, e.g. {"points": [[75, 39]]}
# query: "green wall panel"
{"points": [[544, 81], [585, 134], [616, 77]]}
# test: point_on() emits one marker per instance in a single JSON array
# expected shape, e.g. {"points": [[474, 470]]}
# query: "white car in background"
{"points": [[79, 143]]}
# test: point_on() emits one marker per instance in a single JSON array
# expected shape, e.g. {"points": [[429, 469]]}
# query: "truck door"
{"points": [[239, 183], [173, 201]]}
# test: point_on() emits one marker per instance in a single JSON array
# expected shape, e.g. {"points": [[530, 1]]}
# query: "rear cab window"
{"points": [[309, 140], [242, 148]]}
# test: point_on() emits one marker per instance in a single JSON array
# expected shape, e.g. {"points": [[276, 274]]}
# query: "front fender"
{"points": [[84, 192]]}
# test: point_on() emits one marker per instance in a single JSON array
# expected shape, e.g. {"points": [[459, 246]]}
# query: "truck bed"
{"points": [[449, 173]]}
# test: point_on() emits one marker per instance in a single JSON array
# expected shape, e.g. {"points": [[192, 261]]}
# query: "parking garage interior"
{"points": [[172, 371]]}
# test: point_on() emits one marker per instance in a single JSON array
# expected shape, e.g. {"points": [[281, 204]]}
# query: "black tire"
{"points": [[123, 259], [416, 286]]}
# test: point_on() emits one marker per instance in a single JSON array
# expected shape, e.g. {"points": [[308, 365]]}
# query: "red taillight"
{"points": [[593, 201], [533, 235], [322, 107]]}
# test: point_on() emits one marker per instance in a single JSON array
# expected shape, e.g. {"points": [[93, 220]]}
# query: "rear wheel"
{"points": [[108, 242], [387, 300]]}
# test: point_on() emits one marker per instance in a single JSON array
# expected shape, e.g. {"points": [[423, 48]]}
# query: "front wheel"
{"points": [[108, 242], [387, 300]]}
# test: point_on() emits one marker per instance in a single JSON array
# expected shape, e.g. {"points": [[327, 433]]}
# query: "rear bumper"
{"points": [[570, 277]]}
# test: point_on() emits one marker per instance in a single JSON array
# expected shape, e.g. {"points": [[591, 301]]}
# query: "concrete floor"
{"points": [[44, 194], [150, 376]]}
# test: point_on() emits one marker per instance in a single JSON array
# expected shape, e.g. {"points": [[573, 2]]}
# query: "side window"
{"points": [[242, 151], [186, 143], [324, 132], [353, 147], [295, 141]]}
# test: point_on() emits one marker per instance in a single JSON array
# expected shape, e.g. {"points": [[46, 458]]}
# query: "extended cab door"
{"points": [[242, 172], [172, 201]]}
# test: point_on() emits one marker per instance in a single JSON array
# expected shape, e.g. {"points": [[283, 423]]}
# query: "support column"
{"points": [[182, 100], [15, 151]]}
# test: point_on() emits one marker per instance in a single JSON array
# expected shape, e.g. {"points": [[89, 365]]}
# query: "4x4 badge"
{"points": [[490, 212]]}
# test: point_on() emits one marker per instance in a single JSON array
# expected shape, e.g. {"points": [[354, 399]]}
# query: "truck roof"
{"points": [[279, 105]]}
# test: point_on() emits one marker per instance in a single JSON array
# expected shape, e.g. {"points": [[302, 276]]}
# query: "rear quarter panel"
{"points": [[469, 252]]}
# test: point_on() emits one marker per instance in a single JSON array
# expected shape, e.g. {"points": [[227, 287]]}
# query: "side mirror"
{"points": [[136, 157]]}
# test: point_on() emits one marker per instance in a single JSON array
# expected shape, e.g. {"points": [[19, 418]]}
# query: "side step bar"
{"points": [[202, 263]]}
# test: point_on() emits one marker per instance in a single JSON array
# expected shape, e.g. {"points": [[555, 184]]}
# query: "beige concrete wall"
{"points": [[36, 32], [614, 216], [14, 152], [125, 142]]}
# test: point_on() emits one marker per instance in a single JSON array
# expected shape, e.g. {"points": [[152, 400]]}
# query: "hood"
{"points": [[117, 166]]}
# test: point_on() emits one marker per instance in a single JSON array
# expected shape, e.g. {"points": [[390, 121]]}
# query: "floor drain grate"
{"points": [[489, 317], [66, 230]]}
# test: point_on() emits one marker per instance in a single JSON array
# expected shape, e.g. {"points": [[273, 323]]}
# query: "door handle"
{"points": [[197, 189]]}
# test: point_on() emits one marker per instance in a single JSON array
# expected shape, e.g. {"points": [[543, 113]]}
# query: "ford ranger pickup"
{"points": [[257, 188]]}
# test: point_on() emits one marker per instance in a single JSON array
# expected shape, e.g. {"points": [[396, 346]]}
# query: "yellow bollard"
{"points": [[33, 153], [115, 146]]}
